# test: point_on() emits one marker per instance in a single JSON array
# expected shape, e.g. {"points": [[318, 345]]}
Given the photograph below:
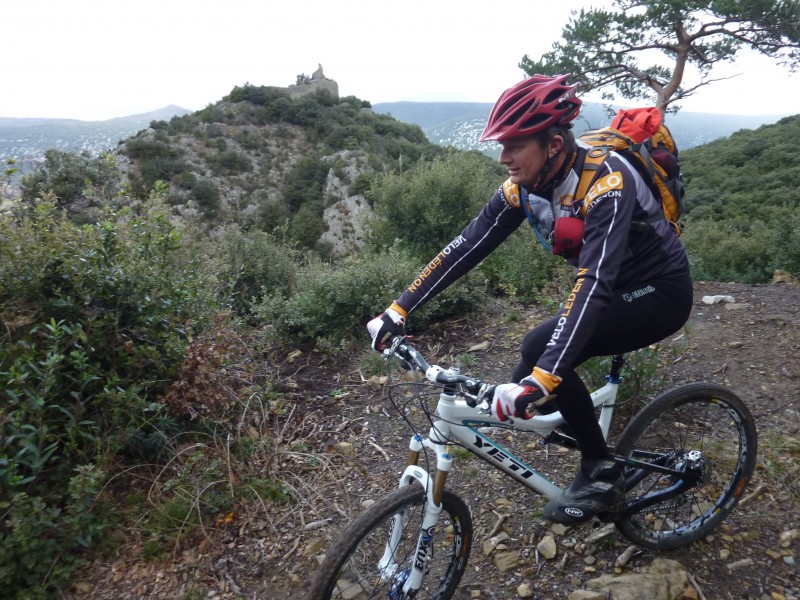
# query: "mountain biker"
{"points": [[632, 285]]}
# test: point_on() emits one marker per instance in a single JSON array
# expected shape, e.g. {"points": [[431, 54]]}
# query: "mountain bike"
{"points": [[687, 458]]}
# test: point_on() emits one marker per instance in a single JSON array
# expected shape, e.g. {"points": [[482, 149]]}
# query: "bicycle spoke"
{"points": [[705, 433], [360, 567]]}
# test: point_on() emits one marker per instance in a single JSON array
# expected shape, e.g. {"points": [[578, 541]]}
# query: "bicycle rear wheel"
{"points": [[351, 566], [701, 429]]}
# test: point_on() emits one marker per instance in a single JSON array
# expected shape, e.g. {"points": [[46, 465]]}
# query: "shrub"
{"points": [[255, 265], [306, 226], [44, 432], [523, 269], [72, 177], [362, 184], [719, 251], [429, 205], [230, 162], [157, 161], [186, 180], [41, 541], [330, 305], [206, 194], [270, 215], [305, 182], [96, 320]]}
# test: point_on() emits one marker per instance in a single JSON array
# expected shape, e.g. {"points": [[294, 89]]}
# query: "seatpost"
{"points": [[615, 374]]}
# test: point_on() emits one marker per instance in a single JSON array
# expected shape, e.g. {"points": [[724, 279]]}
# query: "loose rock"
{"points": [[506, 561], [524, 591], [663, 579], [547, 547]]}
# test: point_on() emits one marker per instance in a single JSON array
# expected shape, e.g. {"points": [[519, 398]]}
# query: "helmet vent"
{"points": [[555, 96]]}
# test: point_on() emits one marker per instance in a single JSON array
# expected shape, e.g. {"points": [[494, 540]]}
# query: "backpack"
{"points": [[647, 144]]}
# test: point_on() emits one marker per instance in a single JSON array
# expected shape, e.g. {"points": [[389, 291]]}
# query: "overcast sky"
{"points": [[99, 59]]}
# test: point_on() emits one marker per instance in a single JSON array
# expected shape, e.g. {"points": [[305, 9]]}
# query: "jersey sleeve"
{"points": [[496, 221]]}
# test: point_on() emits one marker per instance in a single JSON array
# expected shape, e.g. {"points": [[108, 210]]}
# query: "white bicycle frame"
{"points": [[458, 422]]}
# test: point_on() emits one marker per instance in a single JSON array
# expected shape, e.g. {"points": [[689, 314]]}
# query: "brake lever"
{"points": [[483, 400], [396, 341], [405, 363]]}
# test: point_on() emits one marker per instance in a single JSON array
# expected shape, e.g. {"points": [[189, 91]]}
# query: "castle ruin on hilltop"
{"points": [[318, 81]]}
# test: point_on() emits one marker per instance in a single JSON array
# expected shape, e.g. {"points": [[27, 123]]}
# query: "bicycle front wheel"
{"points": [[353, 569], [703, 430]]}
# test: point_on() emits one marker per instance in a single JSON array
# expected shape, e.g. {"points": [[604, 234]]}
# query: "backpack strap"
{"points": [[595, 157]]}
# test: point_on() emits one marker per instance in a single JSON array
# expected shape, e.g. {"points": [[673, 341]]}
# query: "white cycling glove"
{"points": [[518, 400], [385, 326]]}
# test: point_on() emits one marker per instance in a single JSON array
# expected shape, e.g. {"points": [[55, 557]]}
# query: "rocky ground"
{"points": [[339, 445]]}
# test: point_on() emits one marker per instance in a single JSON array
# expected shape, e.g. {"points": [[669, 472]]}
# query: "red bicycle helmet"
{"points": [[531, 106]]}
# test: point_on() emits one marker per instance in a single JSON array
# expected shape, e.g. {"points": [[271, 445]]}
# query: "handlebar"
{"points": [[474, 390]]}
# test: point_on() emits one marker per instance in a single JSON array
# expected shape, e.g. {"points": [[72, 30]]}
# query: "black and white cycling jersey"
{"points": [[624, 244]]}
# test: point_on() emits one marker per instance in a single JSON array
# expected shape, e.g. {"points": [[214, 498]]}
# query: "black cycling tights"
{"points": [[629, 323]]}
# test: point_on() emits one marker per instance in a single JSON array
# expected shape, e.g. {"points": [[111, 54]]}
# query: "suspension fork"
{"points": [[430, 519], [434, 491]]}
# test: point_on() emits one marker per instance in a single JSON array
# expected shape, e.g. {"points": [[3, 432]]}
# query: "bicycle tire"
{"points": [[353, 559], [704, 417]]}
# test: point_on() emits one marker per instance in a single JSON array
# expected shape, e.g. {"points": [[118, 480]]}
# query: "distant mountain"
{"points": [[26, 140], [459, 124]]}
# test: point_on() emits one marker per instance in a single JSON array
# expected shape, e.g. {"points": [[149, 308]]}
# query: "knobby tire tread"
{"points": [[716, 398]]}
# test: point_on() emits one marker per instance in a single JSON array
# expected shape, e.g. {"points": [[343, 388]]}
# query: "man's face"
{"points": [[524, 158]]}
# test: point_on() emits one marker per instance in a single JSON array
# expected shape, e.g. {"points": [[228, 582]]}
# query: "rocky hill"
{"points": [[264, 156]]}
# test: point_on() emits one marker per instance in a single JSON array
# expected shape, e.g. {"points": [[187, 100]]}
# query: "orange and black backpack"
{"points": [[647, 144]]}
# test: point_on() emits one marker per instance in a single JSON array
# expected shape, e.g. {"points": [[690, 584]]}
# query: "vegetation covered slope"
{"points": [[258, 157], [143, 295], [742, 201]]}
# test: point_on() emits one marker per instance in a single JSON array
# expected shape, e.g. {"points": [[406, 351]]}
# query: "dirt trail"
{"points": [[751, 345]]}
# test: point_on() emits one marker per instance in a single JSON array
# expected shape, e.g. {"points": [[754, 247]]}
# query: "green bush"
{"points": [[206, 194], [72, 177], [255, 264], [305, 182], [230, 162], [330, 305], [785, 248], [426, 207], [48, 386], [42, 541], [270, 215], [262, 96], [742, 199], [89, 311], [362, 184], [186, 180], [96, 320], [523, 269], [156, 159], [723, 251], [306, 226]]}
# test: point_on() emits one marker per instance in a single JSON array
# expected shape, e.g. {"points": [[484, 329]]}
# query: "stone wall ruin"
{"points": [[318, 81]]}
